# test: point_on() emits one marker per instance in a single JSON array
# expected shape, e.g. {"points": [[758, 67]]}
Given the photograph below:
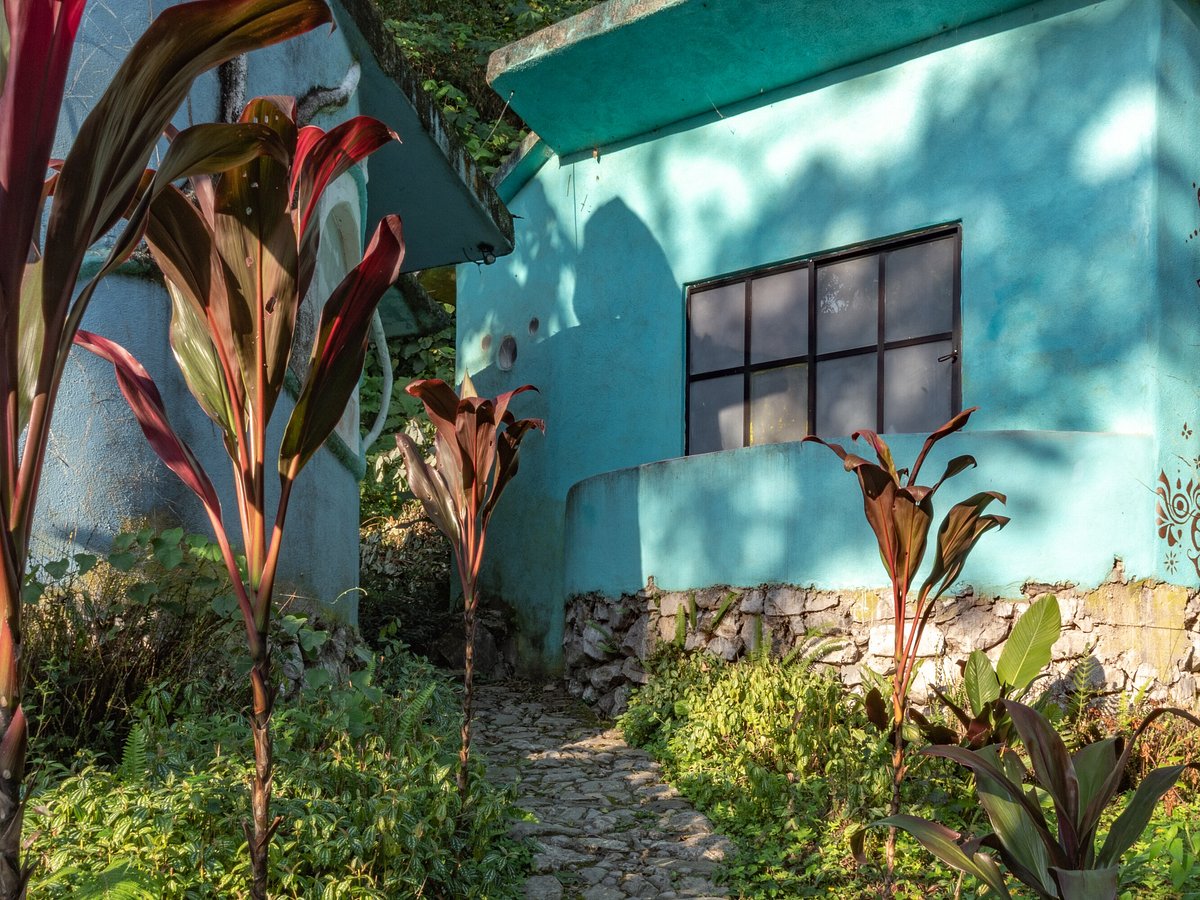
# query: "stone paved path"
{"points": [[606, 826]]}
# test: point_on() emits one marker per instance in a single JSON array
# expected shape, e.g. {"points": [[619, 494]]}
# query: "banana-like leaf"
{"points": [[1093, 764], [196, 356], [912, 515], [39, 37], [1087, 884], [1091, 814], [1027, 651], [431, 489], [5, 43], [944, 843], [961, 529], [1136, 815], [31, 339], [322, 157], [1054, 771], [1022, 849], [982, 765], [199, 150], [955, 423], [182, 243], [341, 347], [144, 400], [507, 443], [980, 681], [255, 238], [101, 173], [882, 451]]}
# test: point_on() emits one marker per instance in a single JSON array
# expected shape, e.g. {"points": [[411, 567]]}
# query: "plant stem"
{"points": [[13, 731], [260, 798], [464, 753]]}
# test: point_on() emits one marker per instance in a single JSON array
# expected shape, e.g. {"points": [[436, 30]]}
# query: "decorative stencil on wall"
{"points": [[1178, 513]]}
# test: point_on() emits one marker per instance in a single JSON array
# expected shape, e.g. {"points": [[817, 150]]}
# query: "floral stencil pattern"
{"points": [[1178, 515]]}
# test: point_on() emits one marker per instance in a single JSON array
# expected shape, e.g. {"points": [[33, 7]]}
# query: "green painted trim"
{"points": [[350, 459], [519, 169]]}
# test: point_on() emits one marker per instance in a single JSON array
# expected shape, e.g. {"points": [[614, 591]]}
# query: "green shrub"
{"points": [[98, 631], [364, 782], [784, 761]]}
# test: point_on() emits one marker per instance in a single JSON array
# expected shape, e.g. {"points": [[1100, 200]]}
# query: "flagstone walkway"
{"points": [[605, 824]]}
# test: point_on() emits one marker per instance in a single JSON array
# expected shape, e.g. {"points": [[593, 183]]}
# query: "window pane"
{"points": [[916, 395], [779, 405], [715, 414], [717, 322], [848, 304], [846, 395], [919, 289], [779, 316]]}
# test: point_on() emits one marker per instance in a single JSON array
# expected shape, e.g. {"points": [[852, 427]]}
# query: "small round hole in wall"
{"points": [[485, 343], [508, 353], [534, 325]]}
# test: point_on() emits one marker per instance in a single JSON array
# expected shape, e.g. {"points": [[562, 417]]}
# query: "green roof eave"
{"points": [[450, 210], [628, 67]]}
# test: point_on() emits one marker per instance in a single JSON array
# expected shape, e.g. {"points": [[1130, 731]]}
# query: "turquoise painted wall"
{"points": [[1058, 135], [100, 473]]}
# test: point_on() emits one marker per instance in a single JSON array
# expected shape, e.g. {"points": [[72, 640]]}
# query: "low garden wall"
{"points": [[1121, 636]]}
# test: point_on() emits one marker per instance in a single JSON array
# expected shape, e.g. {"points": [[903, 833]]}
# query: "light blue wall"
{"points": [[1058, 135], [99, 473]]}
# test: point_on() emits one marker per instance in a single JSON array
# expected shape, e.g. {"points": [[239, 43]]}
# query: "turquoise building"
{"points": [[740, 223]]}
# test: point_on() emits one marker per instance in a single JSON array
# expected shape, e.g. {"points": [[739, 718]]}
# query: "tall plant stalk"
{"points": [[900, 511], [101, 181], [475, 446], [238, 261]]}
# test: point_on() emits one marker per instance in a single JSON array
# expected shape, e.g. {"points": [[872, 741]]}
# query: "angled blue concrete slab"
{"points": [[449, 208], [627, 67]]}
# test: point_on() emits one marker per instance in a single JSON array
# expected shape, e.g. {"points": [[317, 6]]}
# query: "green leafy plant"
{"points": [[476, 457], [1062, 862], [900, 511], [238, 261], [100, 181], [99, 630], [375, 815], [1023, 658]]}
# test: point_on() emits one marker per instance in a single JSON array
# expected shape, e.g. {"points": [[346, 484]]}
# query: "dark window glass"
{"points": [[861, 338]]}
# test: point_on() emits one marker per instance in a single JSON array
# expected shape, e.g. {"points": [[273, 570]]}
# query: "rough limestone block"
{"points": [[783, 600], [596, 642], [1071, 644], [669, 604], [603, 676], [975, 628], [725, 648], [666, 628], [633, 671], [883, 641], [753, 602], [639, 639]]}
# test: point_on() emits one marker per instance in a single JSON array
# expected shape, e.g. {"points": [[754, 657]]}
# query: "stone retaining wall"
{"points": [[1126, 635]]}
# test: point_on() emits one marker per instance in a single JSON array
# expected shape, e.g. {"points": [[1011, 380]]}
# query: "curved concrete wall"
{"points": [[100, 474]]}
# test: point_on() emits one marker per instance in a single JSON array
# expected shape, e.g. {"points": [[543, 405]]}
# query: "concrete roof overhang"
{"points": [[451, 212], [627, 67]]}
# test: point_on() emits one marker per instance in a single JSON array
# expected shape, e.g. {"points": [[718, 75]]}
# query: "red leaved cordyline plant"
{"points": [[101, 181], [900, 512], [476, 451], [238, 262]]}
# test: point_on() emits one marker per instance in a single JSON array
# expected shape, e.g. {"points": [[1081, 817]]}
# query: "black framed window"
{"points": [[867, 337]]}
